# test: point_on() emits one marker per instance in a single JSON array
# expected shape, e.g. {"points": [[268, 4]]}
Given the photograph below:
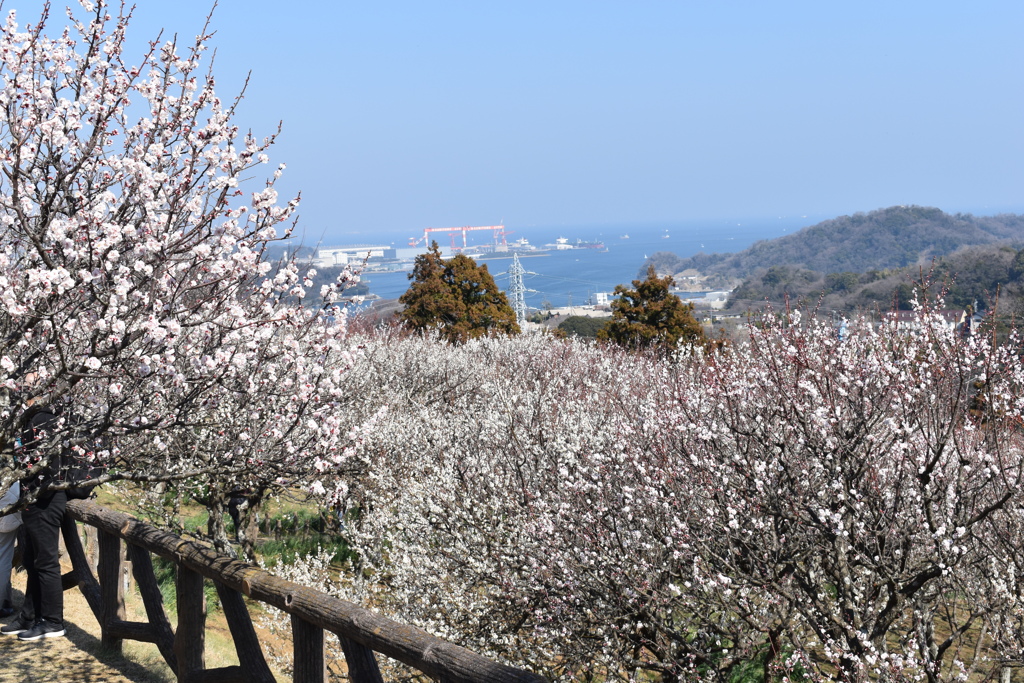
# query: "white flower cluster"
{"points": [[587, 512], [134, 290], [834, 508]]}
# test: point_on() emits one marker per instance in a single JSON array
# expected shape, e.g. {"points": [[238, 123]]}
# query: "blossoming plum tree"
{"points": [[136, 301], [809, 506]]}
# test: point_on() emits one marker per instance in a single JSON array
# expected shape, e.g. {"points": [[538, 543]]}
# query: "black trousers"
{"points": [[44, 596]]}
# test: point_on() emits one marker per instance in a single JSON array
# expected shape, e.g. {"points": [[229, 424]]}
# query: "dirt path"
{"points": [[78, 656]]}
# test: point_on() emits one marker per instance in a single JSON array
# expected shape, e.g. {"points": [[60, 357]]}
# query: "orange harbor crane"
{"points": [[496, 229]]}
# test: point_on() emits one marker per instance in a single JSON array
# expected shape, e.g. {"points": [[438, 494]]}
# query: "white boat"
{"points": [[559, 244]]}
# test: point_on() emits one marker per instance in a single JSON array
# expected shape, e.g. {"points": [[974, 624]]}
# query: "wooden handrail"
{"points": [[362, 632]]}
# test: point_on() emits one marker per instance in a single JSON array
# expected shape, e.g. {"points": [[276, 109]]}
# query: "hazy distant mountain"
{"points": [[887, 238]]}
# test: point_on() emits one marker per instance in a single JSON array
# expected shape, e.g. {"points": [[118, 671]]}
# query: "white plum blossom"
{"points": [[136, 291], [686, 515]]}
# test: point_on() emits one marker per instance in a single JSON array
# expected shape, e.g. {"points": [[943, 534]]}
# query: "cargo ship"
{"points": [[521, 246], [563, 243]]}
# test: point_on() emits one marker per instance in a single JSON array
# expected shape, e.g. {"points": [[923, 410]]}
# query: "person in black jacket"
{"points": [[8, 534], [42, 613]]}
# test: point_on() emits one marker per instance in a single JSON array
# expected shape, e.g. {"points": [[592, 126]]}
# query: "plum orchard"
{"points": [[135, 301], [830, 509], [809, 506]]}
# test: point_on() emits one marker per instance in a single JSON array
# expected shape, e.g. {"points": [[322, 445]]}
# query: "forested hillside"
{"points": [[895, 237], [976, 276], [871, 260]]}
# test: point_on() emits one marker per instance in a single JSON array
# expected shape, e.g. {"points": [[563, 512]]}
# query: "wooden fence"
{"points": [[361, 632]]}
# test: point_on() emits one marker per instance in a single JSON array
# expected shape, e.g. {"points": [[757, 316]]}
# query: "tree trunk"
{"points": [[216, 528]]}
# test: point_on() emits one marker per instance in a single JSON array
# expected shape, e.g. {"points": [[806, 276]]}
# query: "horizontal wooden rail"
{"points": [[361, 631]]}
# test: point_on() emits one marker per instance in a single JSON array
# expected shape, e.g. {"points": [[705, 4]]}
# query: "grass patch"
{"points": [[286, 536], [166, 578]]}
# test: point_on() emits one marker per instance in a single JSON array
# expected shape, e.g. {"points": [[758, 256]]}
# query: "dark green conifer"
{"points": [[650, 315], [457, 297]]}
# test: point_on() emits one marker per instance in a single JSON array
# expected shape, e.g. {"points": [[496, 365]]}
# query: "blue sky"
{"points": [[402, 115]]}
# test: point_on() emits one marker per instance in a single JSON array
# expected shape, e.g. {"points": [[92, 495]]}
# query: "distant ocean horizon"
{"points": [[573, 277]]}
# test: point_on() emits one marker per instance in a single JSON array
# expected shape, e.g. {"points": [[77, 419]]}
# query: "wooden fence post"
{"points": [[190, 638], [362, 663], [309, 663], [247, 644], [81, 575], [153, 599], [111, 587]]}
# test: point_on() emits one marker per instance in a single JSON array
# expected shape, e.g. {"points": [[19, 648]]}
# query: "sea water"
{"points": [[575, 276]]}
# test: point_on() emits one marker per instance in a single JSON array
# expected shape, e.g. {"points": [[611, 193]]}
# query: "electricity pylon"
{"points": [[516, 290]]}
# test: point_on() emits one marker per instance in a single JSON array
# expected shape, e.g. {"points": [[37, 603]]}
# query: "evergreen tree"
{"points": [[582, 326], [649, 315], [456, 296]]}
